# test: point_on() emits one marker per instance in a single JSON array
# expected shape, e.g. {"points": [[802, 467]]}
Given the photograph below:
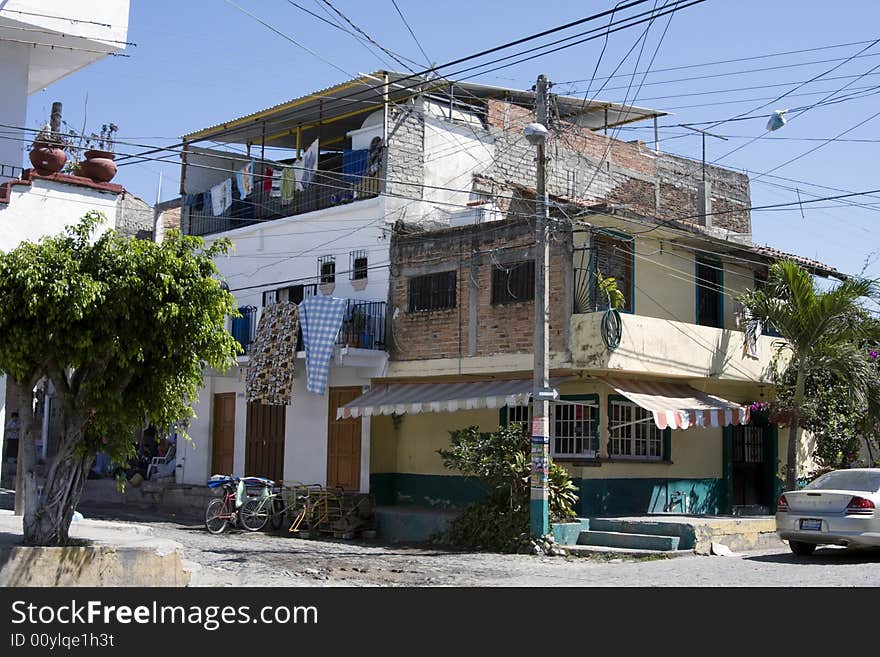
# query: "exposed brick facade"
{"points": [[475, 327], [592, 167]]}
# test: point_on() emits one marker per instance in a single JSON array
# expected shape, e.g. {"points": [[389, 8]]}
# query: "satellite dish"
{"points": [[777, 120]]}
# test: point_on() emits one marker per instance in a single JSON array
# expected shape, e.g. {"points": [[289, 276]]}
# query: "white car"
{"points": [[838, 508]]}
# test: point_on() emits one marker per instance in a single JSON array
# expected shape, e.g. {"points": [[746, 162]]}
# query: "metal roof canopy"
{"points": [[400, 398], [344, 107]]}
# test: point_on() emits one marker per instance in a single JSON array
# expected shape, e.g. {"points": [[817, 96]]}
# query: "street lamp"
{"points": [[539, 520]]}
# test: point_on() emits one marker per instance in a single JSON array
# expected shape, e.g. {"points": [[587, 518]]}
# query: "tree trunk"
{"points": [[47, 514], [47, 517], [792, 465], [25, 477]]}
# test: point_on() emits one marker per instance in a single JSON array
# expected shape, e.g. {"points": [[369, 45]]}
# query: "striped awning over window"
{"points": [[400, 398], [679, 406]]}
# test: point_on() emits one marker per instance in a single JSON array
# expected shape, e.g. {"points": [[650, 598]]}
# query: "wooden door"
{"points": [[343, 443], [264, 441], [223, 433]]}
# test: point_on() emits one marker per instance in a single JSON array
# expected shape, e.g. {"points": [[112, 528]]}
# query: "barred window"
{"points": [[327, 269], [270, 297], [574, 430], [633, 433], [358, 265], [513, 282], [432, 292], [612, 257]]}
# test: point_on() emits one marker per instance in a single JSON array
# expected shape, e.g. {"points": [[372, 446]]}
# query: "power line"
{"points": [[52, 46], [738, 60], [411, 33]]}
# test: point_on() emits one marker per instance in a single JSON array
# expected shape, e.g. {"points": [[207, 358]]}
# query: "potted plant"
{"points": [[759, 414], [98, 163], [47, 152], [359, 327]]}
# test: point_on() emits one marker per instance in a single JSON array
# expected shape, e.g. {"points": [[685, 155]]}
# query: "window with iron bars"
{"points": [[327, 269], [432, 292], [514, 282], [574, 428], [270, 297], [633, 433], [358, 268]]}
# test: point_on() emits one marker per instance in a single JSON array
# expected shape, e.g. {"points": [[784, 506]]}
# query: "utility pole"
{"points": [[536, 134]]}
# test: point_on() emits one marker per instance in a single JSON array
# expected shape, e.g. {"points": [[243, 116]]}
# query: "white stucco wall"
{"points": [[46, 207], [305, 421], [13, 110], [285, 252], [453, 155], [277, 254]]}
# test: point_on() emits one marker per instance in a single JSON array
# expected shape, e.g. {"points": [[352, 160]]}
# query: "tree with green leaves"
{"points": [[123, 329], [823, 331]]}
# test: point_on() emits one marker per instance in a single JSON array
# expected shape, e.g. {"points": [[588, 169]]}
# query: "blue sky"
{"points": [[200, 62]]}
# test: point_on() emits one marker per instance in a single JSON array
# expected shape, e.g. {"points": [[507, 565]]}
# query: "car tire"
{"points": [[802, 549]]}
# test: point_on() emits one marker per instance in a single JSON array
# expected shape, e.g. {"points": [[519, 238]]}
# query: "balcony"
{"points": [[649, 345], [339, 180], [363, 327]]}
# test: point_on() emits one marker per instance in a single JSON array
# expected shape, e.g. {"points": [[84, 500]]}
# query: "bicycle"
{"points": [[275, 504], [223, 510]]}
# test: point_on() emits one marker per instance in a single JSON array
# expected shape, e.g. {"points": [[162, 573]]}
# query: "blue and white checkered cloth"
{"points": [[321, 319]]}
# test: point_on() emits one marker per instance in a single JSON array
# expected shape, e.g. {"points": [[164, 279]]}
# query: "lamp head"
{"points": [[535, 134]]}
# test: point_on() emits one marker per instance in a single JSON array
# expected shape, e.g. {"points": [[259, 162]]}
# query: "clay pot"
{"points": [[98, 166], [47, 158]]}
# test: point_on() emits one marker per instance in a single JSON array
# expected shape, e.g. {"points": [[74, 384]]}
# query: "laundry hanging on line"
{"points": [[321, 319], [221, 197], [244, 180]]}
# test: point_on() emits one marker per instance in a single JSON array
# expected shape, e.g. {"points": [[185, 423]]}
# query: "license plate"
{"points": [[811, 525]]}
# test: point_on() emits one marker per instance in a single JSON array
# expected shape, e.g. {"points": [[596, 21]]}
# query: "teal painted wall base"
{"points": [[623, 497], [598, 497], [432, 491]]}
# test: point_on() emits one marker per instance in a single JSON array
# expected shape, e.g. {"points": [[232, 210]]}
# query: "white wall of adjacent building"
{"points": [[94, 28]]}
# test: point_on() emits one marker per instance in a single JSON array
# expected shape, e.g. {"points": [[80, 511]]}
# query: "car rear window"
{"points": [[868, 482]]}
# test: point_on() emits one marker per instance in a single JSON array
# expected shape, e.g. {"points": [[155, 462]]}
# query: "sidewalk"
{"points": [[112, 554]]}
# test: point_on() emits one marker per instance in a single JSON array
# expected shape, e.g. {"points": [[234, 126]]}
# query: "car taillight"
{"points": [[782, 504], [859, 506]]}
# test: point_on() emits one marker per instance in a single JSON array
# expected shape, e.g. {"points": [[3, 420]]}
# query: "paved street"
{"points": [[238, 558]]}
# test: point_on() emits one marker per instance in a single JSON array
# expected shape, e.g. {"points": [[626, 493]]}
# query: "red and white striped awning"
{"points": [[400, 398], [679, 406]]}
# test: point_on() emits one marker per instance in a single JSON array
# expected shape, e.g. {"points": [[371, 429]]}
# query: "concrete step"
{"points": [[593, 550], [628, 540]]}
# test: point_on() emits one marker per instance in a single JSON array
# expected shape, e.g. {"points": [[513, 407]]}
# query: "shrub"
{"points": [[501, 463]]}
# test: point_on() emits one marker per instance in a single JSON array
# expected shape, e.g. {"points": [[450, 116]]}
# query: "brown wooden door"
{"points": [[264, 441], [223, 433], [343, 443]]}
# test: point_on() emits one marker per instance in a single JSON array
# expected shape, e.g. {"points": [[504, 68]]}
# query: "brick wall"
{"points": [[475, 327], [584, 165]]}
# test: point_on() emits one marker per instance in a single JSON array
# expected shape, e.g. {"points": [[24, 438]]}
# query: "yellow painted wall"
{"points": [[412, 447], [807, 443], [665, 274], [663, 282]]}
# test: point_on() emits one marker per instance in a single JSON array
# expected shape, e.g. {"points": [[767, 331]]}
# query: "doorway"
{"points": [[264, 441], [749, 470], [223, 433], [343, 443]]}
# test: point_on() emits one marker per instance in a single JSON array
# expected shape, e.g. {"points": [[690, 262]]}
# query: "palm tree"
{"points": [[823, 331]]}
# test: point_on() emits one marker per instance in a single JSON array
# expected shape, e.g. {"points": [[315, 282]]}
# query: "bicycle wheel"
{"points": [[254, 514], [278, 516], [215, 522]]}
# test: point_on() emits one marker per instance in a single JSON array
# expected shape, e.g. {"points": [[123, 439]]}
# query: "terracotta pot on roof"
{"points": [[98, 166], [47, 157]]}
